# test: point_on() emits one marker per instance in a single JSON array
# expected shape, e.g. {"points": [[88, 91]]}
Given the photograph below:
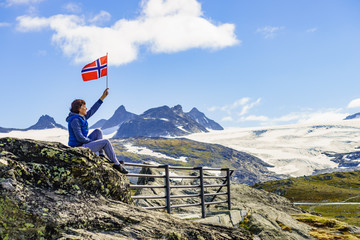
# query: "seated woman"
{"points": [[78, 131]]}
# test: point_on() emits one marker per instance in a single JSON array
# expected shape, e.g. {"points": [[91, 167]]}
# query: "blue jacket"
{"points": [[78, 126]]}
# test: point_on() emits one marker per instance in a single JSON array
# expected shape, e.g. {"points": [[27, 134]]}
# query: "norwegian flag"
{"points": [[95, 70]]}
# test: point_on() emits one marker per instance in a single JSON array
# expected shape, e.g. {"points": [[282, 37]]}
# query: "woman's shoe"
{"points": [[121, 169]]}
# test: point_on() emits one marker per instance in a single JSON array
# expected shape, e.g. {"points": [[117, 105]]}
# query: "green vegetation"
{"points": [[332, 187], [329, 187], [197, 153], [326, 228], [347, 213], [16, 222]]}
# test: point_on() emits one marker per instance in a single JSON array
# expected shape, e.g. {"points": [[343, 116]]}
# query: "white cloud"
{"points": [[319, 116], [42, 53], [242, 102], [227, 119], [247, 107], [311, 30], [21, 2], [268, 31], [323, 116], [72, 7], [302, 117], [354, 103], [101, 18], [163, 26], [212, 109], [289, 117], [254, 118], [5, 24]]}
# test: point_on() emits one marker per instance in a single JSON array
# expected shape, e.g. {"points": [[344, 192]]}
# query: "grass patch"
{"points": [[329, 187], [333, 187], [198, 154], [346, 213], [326, 228]]}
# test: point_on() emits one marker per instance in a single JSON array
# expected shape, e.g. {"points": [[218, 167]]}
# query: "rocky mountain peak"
{"points": [[45, 122], [162, 111], [195, 110], [120, 109], [177, 108], [119, 117], [196, 113], [160, 122], [200, 118]]}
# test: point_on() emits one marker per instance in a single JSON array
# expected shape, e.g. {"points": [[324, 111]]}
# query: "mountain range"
{"points": [[44, 122], [160, 122], [155, 122]]}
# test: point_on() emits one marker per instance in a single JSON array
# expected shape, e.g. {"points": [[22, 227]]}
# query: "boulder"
{"points": [[51, 191]]}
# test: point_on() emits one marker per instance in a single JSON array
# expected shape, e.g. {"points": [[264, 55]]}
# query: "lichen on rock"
{"points": [[51, 191]]}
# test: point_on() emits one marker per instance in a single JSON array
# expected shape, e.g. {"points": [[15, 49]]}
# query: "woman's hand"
{"points": [[106, 92]]}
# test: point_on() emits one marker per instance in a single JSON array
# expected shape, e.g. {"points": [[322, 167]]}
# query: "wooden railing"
{"points": [[167, 197]]}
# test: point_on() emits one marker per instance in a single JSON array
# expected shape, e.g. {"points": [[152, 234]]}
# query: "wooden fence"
{"points": [[167, 186]]}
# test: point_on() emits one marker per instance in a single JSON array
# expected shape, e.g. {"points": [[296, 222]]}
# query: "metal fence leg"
{"points": [[201, 173], [167, 189], [228, 188]]}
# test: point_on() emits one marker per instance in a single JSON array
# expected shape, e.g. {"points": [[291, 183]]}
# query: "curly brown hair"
{"points": [[76, 105]]}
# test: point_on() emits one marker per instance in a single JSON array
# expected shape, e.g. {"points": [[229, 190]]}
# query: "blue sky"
{"points": [[242, 63]]}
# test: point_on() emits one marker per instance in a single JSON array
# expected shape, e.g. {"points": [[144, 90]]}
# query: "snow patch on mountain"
{"points": [[296, 150]]}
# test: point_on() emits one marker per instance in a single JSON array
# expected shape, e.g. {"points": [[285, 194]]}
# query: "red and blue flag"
{"points": [[95, 70]]}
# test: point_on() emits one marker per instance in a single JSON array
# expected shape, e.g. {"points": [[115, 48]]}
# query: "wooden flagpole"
{"points": [[107, 70]]}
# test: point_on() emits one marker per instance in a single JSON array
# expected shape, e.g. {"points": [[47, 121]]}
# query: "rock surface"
{"points": [[269, 216], [51, 191]]}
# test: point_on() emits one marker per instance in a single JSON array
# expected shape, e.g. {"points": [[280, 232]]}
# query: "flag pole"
{"points": [[107, 70]]}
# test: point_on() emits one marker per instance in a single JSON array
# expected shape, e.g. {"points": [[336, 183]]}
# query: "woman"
{"points": [[78, 131]]}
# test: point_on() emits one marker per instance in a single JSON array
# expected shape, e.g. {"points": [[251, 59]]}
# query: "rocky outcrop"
{"points": [[51, 191], [269, 215]]}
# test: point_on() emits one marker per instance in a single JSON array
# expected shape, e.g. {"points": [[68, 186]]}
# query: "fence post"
{"points": [[167, 189], [228, 188], [202, 197]]}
